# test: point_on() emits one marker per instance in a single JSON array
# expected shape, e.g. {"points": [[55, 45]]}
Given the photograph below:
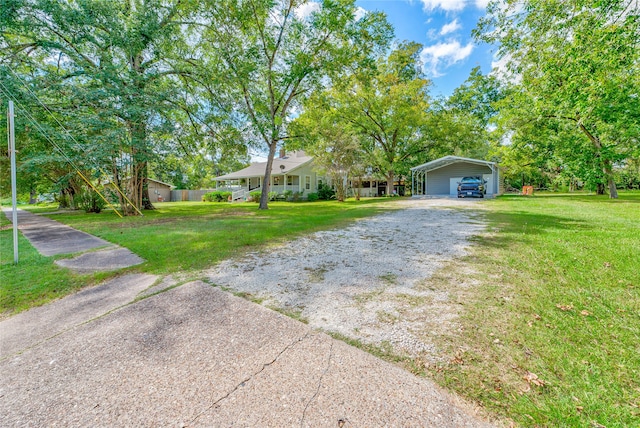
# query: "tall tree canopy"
{"points": [[102, 67], [269, 55], [575, 65], [387, 107]]}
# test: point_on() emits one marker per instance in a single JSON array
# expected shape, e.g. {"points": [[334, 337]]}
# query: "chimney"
{"points": [[283, 153]]}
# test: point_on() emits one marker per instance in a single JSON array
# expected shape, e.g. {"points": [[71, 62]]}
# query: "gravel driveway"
{"points": [[368, 281]]}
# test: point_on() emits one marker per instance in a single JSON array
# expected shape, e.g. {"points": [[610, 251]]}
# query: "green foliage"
{"points": [[312, 197], [217, 196], [89, 201], [271, 195], [576, 65], [325, 192], [378, 118], [255, 196], [265, 66], [288, 195]]}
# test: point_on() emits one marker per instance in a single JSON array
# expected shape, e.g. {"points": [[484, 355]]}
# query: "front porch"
{"points": [[281, 183]]}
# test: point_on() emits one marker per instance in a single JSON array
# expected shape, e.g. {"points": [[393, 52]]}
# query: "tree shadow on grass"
{"points": [[517, 225]]}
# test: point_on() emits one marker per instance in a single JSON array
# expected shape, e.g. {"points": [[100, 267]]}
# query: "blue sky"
{"points": [[444, 28]]}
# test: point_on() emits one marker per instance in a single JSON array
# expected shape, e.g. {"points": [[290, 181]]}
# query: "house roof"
{"points": [[160, 182], [280, 166], [448, 160]]}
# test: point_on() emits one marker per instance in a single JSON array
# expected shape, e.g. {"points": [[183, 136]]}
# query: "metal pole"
{"points": [[12, 154]]}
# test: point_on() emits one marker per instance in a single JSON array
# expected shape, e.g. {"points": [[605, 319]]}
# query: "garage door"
{"points": [[453, 185]]}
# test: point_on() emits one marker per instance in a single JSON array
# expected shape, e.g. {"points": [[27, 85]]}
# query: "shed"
{"points": [[440, 177], [159, 191]]}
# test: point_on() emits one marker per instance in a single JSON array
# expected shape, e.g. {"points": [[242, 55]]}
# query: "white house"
{"points": [[291, 171]]}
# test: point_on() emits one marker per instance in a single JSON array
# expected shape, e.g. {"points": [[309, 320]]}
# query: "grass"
{"points": [[176, 237], [558, 297]]}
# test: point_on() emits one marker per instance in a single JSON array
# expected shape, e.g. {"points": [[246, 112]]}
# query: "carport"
{"points": [[440, 177]]}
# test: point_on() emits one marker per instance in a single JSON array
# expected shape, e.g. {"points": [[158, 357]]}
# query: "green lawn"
{"points": [[558, 296], [176, 237]]}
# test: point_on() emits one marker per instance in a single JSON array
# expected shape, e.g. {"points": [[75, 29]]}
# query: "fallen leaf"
{"points": [[564, 307], [579, 409], [607, 264], [533, 378], [536, 316], [585, 313], [595, 424]]}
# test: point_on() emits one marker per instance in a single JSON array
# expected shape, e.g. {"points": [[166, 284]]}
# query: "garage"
{"points": [[440, 177]]}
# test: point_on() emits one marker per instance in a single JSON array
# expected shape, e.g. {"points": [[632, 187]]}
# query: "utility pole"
{"points": [[12, 155]]}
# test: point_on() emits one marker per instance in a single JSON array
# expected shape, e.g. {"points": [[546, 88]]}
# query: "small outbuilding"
{"points": [[440, 177], [159, 191]]}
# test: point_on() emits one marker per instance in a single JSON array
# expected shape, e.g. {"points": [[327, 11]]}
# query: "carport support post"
{"points": [[12, 154]]}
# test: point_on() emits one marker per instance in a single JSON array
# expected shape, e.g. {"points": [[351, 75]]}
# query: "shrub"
{"points": [[326, 193], [312, 197], [255, 196], [297, 196], [288, 195], [217, 196], [89, 201], [272, 196]]}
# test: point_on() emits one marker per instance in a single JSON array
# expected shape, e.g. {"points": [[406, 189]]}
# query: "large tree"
{"points": [[386, 106], [578, 62], [267, 56], [102, 68]]}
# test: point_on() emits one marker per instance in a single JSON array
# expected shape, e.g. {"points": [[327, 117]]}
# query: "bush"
{"points": [[89, 201], [217, 196], [297, 196], [272, 196], [326, 193], [255, 196], [312, 197], [288, 195]]}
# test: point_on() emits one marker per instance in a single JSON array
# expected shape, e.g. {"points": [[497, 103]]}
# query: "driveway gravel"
{"points": [[368, 281]]}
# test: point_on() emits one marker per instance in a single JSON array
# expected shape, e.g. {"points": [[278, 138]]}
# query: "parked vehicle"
{"points": [[472, 187]]}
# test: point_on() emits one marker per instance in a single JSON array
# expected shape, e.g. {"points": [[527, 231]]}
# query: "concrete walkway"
{"points": [[52, 238], [139, 350]]}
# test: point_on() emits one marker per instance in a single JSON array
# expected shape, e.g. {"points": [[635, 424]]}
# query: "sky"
{"points": [[444, 28]]}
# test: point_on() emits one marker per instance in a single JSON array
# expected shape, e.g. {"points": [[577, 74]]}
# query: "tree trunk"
{"points": [[390, 176], [264, 196], [606, 164], [608, 173], [32, 196]]}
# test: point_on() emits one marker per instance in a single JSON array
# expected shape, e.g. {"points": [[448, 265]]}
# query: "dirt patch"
{"points": [[368, 281]]}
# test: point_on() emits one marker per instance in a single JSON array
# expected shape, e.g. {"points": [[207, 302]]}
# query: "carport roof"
{"points": [[448, 160]]}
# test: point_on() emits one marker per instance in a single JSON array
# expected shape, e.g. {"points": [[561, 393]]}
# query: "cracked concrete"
{"points": [[197, 356]]}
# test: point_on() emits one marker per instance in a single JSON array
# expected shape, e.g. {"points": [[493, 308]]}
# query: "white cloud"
{"points": [[360, 13], [443, 55], [448, 5], [451, 27], [305, 10], [499, 69], [452, 5]]}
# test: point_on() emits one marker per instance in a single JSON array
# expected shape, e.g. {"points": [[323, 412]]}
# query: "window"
{"points": [[276, 181], [290, 180], [307, 182]]}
